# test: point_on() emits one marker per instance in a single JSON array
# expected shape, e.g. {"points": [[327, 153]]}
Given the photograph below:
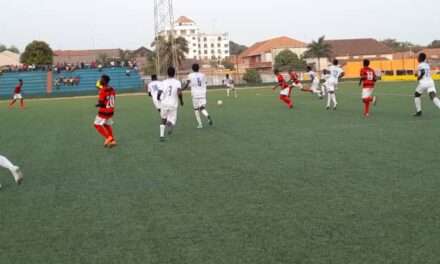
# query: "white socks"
{"points": [[333, 95], [5, 163], [436, 101], [228, 92], [162, 131], [205, 113], [198, 118], [418, 103]]}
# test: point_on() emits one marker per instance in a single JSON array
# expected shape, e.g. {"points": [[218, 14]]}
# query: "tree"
{"points": [[164, 46], [286, 60], [103, 59], [319, 49], [252, 76], [2, 48], [37, 53], [235, 48], [14, 49], [435, 44], [401, 46], [228, 64]]}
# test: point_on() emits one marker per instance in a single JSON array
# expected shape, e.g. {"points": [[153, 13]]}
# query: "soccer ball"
{"points": [[219, 102]]}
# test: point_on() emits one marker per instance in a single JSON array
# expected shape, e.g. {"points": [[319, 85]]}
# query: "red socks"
{"points": [[109, 130], [367, 102], [102, 130], [287, 101]]}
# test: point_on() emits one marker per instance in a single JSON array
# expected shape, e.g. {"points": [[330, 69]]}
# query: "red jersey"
{"points": [[18, 89], [282, 82], [106, 103], [368, 77], [294, 78]]}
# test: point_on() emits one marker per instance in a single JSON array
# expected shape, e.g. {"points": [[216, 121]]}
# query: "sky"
{"points": [[93, 24]]}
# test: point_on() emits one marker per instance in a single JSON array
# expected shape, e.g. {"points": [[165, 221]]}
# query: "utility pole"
{"points": [[164, 28]]}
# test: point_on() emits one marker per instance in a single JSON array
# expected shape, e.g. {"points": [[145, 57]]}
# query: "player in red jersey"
{"points": [[296, 82], [286, 89], [106, 106], [368, 82], [17, 95]]}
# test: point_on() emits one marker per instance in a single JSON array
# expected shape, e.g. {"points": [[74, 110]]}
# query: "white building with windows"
{"points": [[202, 46]]}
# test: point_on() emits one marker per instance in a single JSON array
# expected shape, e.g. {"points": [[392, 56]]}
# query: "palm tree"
{"points": [[164, 48], [319, 49]]}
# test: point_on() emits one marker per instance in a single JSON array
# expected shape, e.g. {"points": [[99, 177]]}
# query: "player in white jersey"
{"points": [[335, 74], [314, 78], [169, 96], [229, 83], [426, 84], [153, 89], [15, 170], [197, 82]]}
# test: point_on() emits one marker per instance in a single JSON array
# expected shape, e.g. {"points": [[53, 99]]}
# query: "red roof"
{"points": [[358, 47], [184, 20], [271, 44]]}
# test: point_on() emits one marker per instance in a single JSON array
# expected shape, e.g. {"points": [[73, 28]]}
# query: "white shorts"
{"points": [[367, 92], [156, 103], [315, 86], [170, 114], [285, 92], [230, 86], [99, 121], [17, 96], [428, 87], [330, 87], [199, 103]]}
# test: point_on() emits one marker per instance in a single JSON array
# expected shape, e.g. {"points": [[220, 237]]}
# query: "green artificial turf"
{"points": [[264, 185]]}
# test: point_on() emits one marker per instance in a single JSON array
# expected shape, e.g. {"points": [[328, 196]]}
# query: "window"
{"points": [[183, 32], [205, 39], [219, 51], [212, 51], [213, 58], [226, 52], [193, 31], [219, 45], [212, 45], [194, 51], [194, 38], [206, 45], [206, 52], [194, 45], [226, 45], [219, 38]]}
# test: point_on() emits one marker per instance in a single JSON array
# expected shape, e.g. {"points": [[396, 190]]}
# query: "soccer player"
{"points": [[335, 75], [295, 81], [197, 82], [286, 89], [314, 78], [368, 81], [17, 95], [229, 83], [106, 106], [426, 84], [153, 89], [15, 170], [169, 97]]}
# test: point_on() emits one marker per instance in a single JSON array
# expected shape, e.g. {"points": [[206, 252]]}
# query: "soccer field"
{"points": [[264, 185]]}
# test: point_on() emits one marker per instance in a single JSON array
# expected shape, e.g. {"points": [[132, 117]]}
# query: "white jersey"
{"points": [[228, 82], [197, 82], [335, 73], [154, 87], [427, 78], [170, 93], [313, 76]]}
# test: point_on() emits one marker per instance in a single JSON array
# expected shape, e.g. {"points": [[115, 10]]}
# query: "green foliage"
{"points": [[287, 60], [37, 53], [434, 44], [252, 76], [164, 46], [235, 48], [12, 48], [228, 64], [401, 46], [319, 49]]}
